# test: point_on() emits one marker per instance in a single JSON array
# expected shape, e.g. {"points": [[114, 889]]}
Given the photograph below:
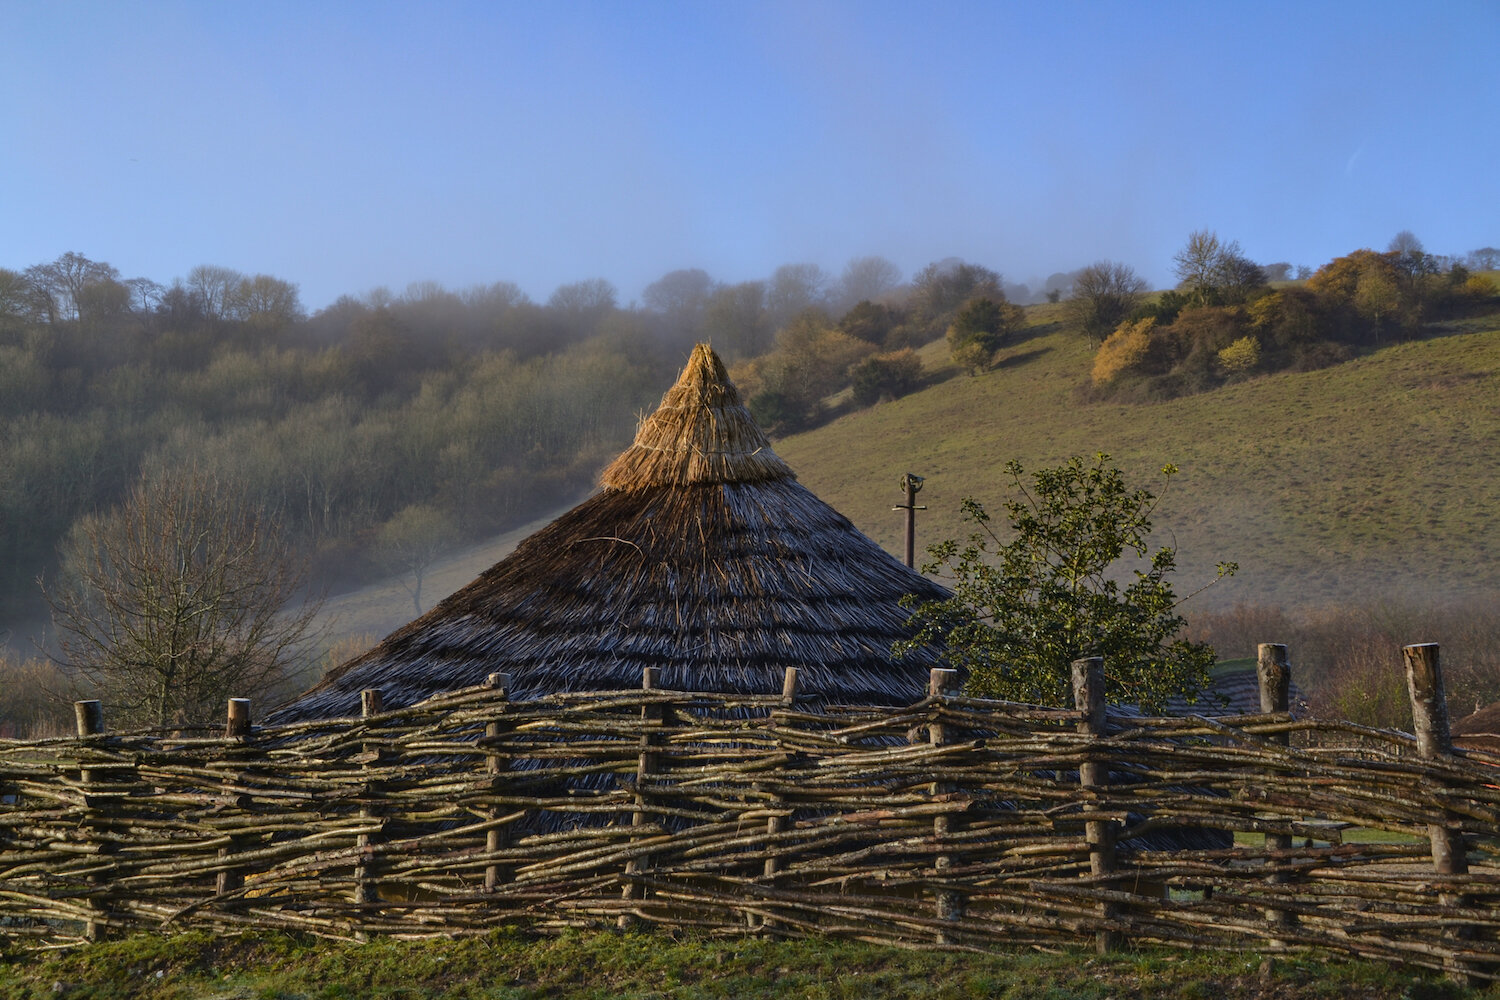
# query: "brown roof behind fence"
{"points": [[1480, 731], [703, 557]]}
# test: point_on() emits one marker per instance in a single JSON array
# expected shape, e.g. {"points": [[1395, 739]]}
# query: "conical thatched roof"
{"points": [[703, 556]]}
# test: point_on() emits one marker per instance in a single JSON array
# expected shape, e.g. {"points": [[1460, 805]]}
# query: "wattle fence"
{"points": [[954, 823]]}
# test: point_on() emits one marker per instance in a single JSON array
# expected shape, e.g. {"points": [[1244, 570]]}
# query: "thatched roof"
{"points": [[702, 556], [1480, 731]]}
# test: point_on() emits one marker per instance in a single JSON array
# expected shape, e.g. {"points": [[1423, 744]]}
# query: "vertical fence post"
{"points": [[776, 824], [1088, 698], [236, 727], [1273, 669], [943, 683], [89, 719], [651, 717], [366, 888], [1429, 710], [495, 838]]}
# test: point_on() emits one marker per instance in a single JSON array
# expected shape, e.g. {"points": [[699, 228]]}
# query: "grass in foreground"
{"points": [[612, 966]]}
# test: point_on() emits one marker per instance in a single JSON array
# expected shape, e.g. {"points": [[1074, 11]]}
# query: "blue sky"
{"points": [[344, 146]]}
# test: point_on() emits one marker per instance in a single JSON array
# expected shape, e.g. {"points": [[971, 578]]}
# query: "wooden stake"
{"points": [[943, 683], [1088, 697], [1429, 710], [775, 824], [366, 886], [88, 717], [1273, 669], [646, 764], [495, 838], [236, 727]]}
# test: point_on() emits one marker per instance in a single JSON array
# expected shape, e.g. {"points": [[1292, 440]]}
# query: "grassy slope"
{"points": [[1375, 477]]}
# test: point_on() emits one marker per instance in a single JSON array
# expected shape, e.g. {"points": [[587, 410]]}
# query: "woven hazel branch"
{"points": [[788, 821]]}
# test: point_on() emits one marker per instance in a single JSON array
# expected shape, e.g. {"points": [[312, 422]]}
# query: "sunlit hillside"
{"points": [[1376, 478]]}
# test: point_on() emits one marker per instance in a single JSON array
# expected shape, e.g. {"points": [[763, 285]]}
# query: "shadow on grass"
{"points": [[1018, 358]]}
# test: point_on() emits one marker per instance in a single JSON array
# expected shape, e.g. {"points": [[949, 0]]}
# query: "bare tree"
{"points": [[412, 541], [1104, 294], [58, 286], [679, 298], [213, 289], [795, 288], [179, 599], [865, 279], [265, 302], [1216, 272]]}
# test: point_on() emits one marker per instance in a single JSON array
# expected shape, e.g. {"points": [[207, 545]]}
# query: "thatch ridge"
{"points": [[701, 433]]}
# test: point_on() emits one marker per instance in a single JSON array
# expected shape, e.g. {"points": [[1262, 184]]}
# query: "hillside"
{"points": [[1376, 478]]}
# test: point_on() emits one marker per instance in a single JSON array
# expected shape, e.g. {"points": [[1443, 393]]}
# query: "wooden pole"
{"points": [[236, 727], [1429, 711], [1273, 669], [495, 838], [237, 721], [651, 715], [366, 886], [776, 824], [912, 484], [943, 683], [88, 717], [1088, 697]]}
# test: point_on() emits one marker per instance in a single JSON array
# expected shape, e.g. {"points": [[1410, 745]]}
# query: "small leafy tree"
{"points": [[1127, 349], [1023, 610], [1240, 357], [980, 328], [883, 376]]}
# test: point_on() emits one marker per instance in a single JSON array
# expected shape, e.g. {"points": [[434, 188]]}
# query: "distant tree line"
{"points": [[385, 428]]}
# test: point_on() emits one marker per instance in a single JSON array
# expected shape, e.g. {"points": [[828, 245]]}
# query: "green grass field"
{"points": [[610, 966], [1376, 478]]}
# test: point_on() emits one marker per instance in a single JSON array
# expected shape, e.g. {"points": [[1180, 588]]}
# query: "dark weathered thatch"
{"points": [[1480, 731], [702, 557], [1231, 691]]}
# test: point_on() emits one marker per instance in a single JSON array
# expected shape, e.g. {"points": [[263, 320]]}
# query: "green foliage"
{"points": [[886, 376], [1240, 357], [1024, 609], [980, 328], [941, 288], [870, 322]]}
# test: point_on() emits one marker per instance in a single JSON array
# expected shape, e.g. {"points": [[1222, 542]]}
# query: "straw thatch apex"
{"points": [[701, 433]]}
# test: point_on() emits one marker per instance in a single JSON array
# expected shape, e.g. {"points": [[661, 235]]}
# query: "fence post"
{"points": [[776, 824], [236, 727], [366, 889], [651, 717], [1429, 711], [1088, 698], [1273, 669], [495, 838], [943, 683], [89, 719]]}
